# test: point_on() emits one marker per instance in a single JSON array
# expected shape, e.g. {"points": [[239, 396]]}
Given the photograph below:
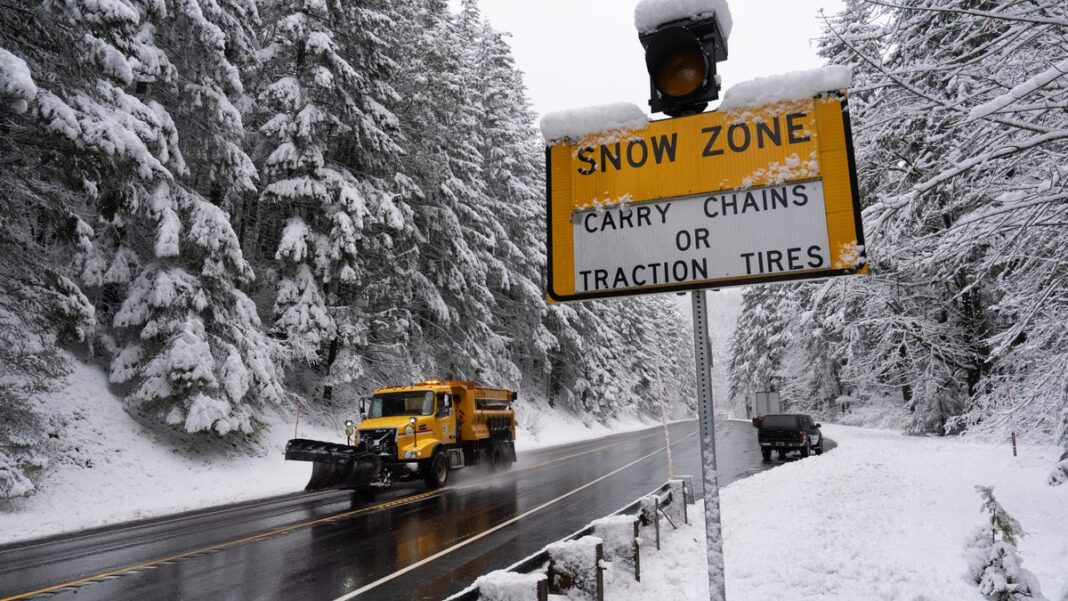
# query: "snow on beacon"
{"points": [[578, 123], [650, 14], [797, 85]]}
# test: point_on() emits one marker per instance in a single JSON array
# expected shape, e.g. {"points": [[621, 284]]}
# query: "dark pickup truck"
{"points": [[788, 432]]}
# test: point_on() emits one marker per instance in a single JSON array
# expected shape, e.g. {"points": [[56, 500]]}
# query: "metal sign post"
{"points": [[713, 533]]}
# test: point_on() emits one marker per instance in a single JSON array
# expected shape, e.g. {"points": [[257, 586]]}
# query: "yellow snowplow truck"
{"points": [[420, 431]]}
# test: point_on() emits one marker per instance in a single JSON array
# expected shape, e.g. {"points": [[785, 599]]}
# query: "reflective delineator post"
{"points": [[713, 533]]}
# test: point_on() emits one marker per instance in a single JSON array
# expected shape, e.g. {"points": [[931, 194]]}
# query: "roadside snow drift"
{"points": [[882, 517], [112, 469]]}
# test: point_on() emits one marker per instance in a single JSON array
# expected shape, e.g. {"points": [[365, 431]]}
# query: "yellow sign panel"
{"points": [[717, 199]]}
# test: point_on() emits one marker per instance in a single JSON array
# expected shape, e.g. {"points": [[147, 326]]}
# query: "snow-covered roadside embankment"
{"points": [[110, 469], [884, 516]]}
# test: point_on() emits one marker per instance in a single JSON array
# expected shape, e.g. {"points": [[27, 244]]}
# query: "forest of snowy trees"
{"points": [[230, 205], [960, 121]]}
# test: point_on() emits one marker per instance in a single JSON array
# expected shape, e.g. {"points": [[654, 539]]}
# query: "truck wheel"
{"points": [[497, 461], [804, 450], [766, 454], [437, 473], [819, 447]]}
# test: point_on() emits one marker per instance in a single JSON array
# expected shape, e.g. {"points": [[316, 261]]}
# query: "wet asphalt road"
{"points": [[406, 543]]}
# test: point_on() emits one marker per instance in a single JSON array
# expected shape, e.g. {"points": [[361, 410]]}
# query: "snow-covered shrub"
{"points": [[993, 561], [1059, 474]]}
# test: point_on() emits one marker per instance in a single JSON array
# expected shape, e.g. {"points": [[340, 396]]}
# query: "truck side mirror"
{"points": [[363, 408]]}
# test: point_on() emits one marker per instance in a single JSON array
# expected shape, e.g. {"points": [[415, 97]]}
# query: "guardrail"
{"points": [[578, 561]]}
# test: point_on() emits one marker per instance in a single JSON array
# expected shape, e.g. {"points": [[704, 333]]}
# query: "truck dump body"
{"points": [[425, 429]]}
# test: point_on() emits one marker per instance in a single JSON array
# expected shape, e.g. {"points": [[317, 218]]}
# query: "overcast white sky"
{"points": [[582, 52]]}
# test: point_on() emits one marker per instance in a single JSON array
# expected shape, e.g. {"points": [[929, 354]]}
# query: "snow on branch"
{"points": [[650, 14], [1005, 16], [16, 81], [797, 85], [576, 124], [1007, 149], [1019, 91]]}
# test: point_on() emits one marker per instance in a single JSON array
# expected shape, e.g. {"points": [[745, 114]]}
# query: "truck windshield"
{"points": [[780, 422], [402, 403]]}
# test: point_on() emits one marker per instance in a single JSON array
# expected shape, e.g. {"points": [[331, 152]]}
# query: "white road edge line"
{"points": [[486, 533]]}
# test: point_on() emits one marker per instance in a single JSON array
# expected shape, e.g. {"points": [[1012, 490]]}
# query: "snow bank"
{"points": [[112, 469], [889, 514], [676, 572], [883, 516], [539, 426], [798, 85], [577, 123], [649, 14]]}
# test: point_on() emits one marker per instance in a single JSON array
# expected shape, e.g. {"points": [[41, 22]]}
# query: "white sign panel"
{"points": [[773, 230]]}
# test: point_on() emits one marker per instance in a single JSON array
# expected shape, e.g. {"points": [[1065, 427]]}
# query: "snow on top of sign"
{"points": [[577, 123], [650, 14], [798, 85]]}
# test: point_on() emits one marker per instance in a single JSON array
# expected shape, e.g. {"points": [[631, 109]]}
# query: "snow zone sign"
{"points": [[755, 195]]}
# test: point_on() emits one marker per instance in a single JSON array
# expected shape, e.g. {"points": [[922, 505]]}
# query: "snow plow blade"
{"points": [[334, 465]]}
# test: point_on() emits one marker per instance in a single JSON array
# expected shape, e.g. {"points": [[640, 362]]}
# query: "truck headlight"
{"points": [[350, 427], [411, 454]]}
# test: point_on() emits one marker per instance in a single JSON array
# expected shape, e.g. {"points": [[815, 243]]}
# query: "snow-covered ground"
{"points": [[113, 469], [884, 516]]}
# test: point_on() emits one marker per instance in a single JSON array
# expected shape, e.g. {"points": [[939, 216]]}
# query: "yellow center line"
{"points": [[163, 521], [226, 545], [287, 529]]}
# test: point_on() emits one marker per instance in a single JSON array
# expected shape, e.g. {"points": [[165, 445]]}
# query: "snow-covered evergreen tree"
{"points": [[956, 142], [330, 149], [994, 563], [512, 166], [759, 343], [373, 161]]}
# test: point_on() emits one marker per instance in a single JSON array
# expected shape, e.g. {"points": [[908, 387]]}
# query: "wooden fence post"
{"points": [[620, 536], [650, 515], [676, 510], [576, 565]]}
